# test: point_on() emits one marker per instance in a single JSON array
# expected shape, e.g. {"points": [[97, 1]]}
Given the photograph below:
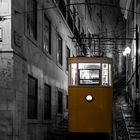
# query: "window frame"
{"points": [[60, 102], [60, 50], [46, 20], [89, 79], [30, 97], [67, 56], [31, 19], [47, 102], [1, 34]]}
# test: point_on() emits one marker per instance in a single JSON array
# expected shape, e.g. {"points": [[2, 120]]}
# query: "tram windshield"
{"points": [[90, 74]]}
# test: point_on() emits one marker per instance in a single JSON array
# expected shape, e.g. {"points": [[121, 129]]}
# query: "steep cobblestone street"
{"points": [[127, 125], [119, 122]]}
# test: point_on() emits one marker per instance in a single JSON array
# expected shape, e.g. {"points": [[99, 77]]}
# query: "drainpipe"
{"points": [[137, 107], [137, 74]]}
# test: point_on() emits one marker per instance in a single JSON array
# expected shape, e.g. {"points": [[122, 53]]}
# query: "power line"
{"points": [[92, 3], [103, 4], [43, 9]]}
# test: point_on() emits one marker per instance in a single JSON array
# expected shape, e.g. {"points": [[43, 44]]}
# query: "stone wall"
{"points": [[7, 96]]}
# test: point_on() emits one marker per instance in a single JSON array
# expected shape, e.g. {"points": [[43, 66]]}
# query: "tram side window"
{"points": [[110, 80], [105, 74], [73, 74]]}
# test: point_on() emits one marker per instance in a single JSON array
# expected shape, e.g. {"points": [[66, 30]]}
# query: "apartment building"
{"points": [[133, 60], [35, 42]]}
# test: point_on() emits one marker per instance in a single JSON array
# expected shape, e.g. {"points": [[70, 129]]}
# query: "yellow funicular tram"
{"points": [[90, 94]]}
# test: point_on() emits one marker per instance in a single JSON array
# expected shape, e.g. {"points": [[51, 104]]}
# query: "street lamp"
{"points": [[126, 51]]}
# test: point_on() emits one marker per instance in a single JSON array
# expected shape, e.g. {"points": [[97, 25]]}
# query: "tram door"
{"points": [[90, 95]]}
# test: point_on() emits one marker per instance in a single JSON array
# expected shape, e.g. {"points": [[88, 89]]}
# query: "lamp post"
{"points": [[126, 53]]}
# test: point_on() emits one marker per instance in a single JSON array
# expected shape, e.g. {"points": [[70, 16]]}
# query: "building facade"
{"points": [[36, 38], [35, 42], [110, 26], [133, 60]]}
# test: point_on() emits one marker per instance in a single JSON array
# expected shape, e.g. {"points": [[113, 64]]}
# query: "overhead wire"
{"points": [[53, 7], [92, 3]]}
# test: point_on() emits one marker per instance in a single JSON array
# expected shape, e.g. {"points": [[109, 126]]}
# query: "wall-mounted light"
{"points": [[126, 51]]}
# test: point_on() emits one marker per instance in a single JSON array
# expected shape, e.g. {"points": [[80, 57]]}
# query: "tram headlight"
{"points": [[89, 98]]}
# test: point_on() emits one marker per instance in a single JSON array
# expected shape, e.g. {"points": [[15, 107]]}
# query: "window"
{"points": [[74, 14], [32, 18], [67, 56], [68, 1], [67, 101], [105, 74], [60, 103], [73, 74], [0, 34], [136, 2], [47, 102], [79, 24], [32, 97], [59, 52], [89, 73], [47, 36], [88, 77], [62, 7], [133, 9]]}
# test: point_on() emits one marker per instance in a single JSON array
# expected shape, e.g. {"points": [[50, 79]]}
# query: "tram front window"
{"points": [[89, 77], [89, 73]]}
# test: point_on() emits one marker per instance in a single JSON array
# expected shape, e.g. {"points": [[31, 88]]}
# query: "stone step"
{"points": [[127, 110], [128, 114], [135, 135], [130, 119], [133, 123], [134, 128], [135, 139], [134, 132]]}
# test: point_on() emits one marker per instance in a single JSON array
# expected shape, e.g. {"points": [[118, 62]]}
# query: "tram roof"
{"points": [[90, 60]]}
